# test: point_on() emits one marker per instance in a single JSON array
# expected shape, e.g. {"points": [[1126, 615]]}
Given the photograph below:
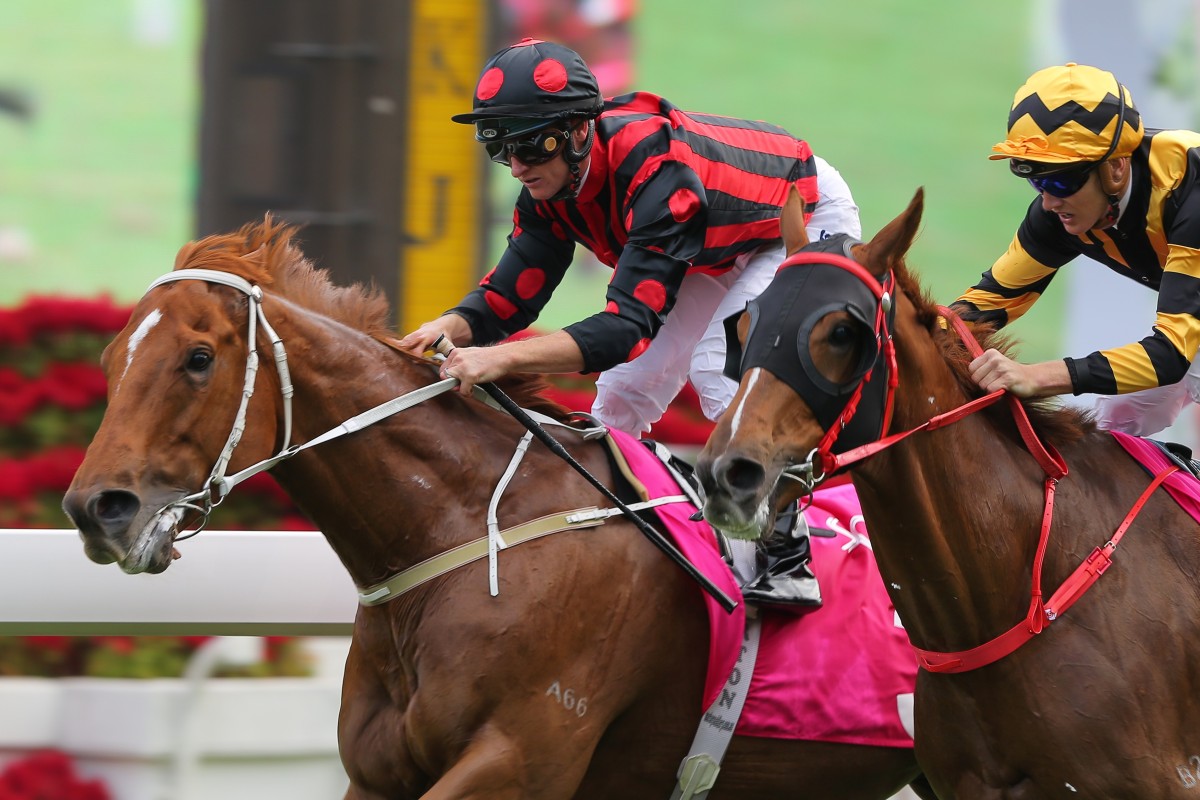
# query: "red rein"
{"points": [[1040, 614]]}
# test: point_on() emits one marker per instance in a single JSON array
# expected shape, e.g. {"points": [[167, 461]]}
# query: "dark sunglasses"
{"points": [[536, 148], [1062, 184]]}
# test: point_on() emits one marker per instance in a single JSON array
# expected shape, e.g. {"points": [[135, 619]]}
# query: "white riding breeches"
{"points": [[691, 343], [1149, 411]]}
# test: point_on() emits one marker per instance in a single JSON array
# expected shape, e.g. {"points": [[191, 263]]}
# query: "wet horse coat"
{"points": [[582, 678], [1102, 702]]}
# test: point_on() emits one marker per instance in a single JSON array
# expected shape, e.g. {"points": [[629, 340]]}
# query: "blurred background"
{"points": [[130, 127]]}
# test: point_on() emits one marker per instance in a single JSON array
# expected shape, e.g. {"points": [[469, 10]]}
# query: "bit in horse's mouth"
{"points": [[154, 549]]}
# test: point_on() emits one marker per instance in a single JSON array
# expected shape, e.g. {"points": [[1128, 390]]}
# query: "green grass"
{"points": [[101, 179], [895, 95]]}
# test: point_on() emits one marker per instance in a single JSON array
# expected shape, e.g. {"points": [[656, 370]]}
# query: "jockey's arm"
{"points": [[1004, 293]]}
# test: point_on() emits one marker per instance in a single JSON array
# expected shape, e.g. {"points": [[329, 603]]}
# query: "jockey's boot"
{"points": [[785, 582]]}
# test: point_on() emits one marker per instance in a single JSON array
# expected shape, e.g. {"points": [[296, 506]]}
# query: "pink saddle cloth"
{"points": [[844, 673], [1181, 486], [698, 543]]}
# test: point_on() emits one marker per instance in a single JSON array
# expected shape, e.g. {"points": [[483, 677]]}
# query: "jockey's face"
{"points": [[1083, 210], [546, 180], [542, 180], [1087, 209]]}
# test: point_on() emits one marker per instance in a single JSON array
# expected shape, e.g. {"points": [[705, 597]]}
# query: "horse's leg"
{"points": [[376, 754], [758, 767], [380, 743], [922, 788], [497, 766]]}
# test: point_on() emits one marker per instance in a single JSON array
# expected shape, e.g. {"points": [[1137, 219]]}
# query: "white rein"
{"points": [[219, 484]]}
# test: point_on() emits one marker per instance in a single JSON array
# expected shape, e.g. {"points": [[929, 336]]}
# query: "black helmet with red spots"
{"points": [[528, 86], [531, 86]]}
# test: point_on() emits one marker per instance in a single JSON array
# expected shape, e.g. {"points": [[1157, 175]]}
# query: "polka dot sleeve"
{"points": [[665, 218], [510, 296]]}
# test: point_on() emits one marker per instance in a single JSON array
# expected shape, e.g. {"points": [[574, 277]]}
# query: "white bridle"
{"points": [[218, 484]]}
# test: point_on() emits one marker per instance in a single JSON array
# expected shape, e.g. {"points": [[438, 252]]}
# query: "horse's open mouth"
{"points": [[735, 522]]}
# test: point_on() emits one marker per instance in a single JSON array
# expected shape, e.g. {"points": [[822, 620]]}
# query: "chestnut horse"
{"points": [[1100, 704], [582, 678]]}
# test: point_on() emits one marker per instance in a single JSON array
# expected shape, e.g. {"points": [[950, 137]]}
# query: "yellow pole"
{"points": [[442, 218]]}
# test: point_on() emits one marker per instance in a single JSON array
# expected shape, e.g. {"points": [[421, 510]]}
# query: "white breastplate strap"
{"points": [[464, 554], [495, 540]]}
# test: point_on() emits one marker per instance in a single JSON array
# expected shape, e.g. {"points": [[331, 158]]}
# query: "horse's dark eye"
{"points": [[198, 360], [843, 334]]}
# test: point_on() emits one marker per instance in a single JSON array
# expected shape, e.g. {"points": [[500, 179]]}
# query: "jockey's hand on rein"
{"points": [[993, 370]]}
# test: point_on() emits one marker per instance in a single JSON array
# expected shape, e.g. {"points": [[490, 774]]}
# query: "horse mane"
{"points": [[267, 253], [1060, 425]]}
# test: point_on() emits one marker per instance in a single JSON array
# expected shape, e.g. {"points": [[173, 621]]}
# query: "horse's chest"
{"points": [[1030, 742]]}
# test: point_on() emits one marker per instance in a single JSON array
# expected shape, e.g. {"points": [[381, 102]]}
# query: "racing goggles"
{"points": [[1062, 184], [533, 149]]}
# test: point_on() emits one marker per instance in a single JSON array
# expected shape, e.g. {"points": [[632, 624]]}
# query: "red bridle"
{"points": [[1040, 614], [883, 290]]}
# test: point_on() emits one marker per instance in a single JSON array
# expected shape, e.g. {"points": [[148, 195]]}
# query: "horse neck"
{"points": [[955, 510], [389, 495]]}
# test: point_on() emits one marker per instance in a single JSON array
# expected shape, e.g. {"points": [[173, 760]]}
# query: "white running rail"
{"points": [[231, 583]]}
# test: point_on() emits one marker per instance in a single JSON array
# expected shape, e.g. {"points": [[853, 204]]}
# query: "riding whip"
{"points": [[442, 345]]}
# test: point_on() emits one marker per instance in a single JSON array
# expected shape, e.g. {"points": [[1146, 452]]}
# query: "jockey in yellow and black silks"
{"points": [[1123, 195]]}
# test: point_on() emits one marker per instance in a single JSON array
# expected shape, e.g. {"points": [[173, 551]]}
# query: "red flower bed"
{"points": [[71, 386], [39, 316], [52, 395], [48, 775]]}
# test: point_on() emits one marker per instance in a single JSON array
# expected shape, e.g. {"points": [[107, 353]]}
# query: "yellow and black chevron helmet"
{"points": [[1070, 114]]}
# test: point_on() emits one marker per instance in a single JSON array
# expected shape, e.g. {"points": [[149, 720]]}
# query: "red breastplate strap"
{"points": [[1040, 614]]}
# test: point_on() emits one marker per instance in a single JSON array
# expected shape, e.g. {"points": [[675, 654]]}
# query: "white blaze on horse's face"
{"points": [[136, 338], [737, 412]]}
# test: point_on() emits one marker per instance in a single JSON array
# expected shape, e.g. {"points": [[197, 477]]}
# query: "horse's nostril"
{"points": [[743, 474], [113, 507]]}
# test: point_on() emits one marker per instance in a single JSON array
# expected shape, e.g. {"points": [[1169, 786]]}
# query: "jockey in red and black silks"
{"points": [[668, 193], [684, 207]]}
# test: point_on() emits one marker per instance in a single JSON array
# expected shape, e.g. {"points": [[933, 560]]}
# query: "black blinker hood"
{"points": [[782, 319]]}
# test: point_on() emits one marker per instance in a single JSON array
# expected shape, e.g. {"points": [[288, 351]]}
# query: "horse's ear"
{"points": [[890, 244], [791, 222]]}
